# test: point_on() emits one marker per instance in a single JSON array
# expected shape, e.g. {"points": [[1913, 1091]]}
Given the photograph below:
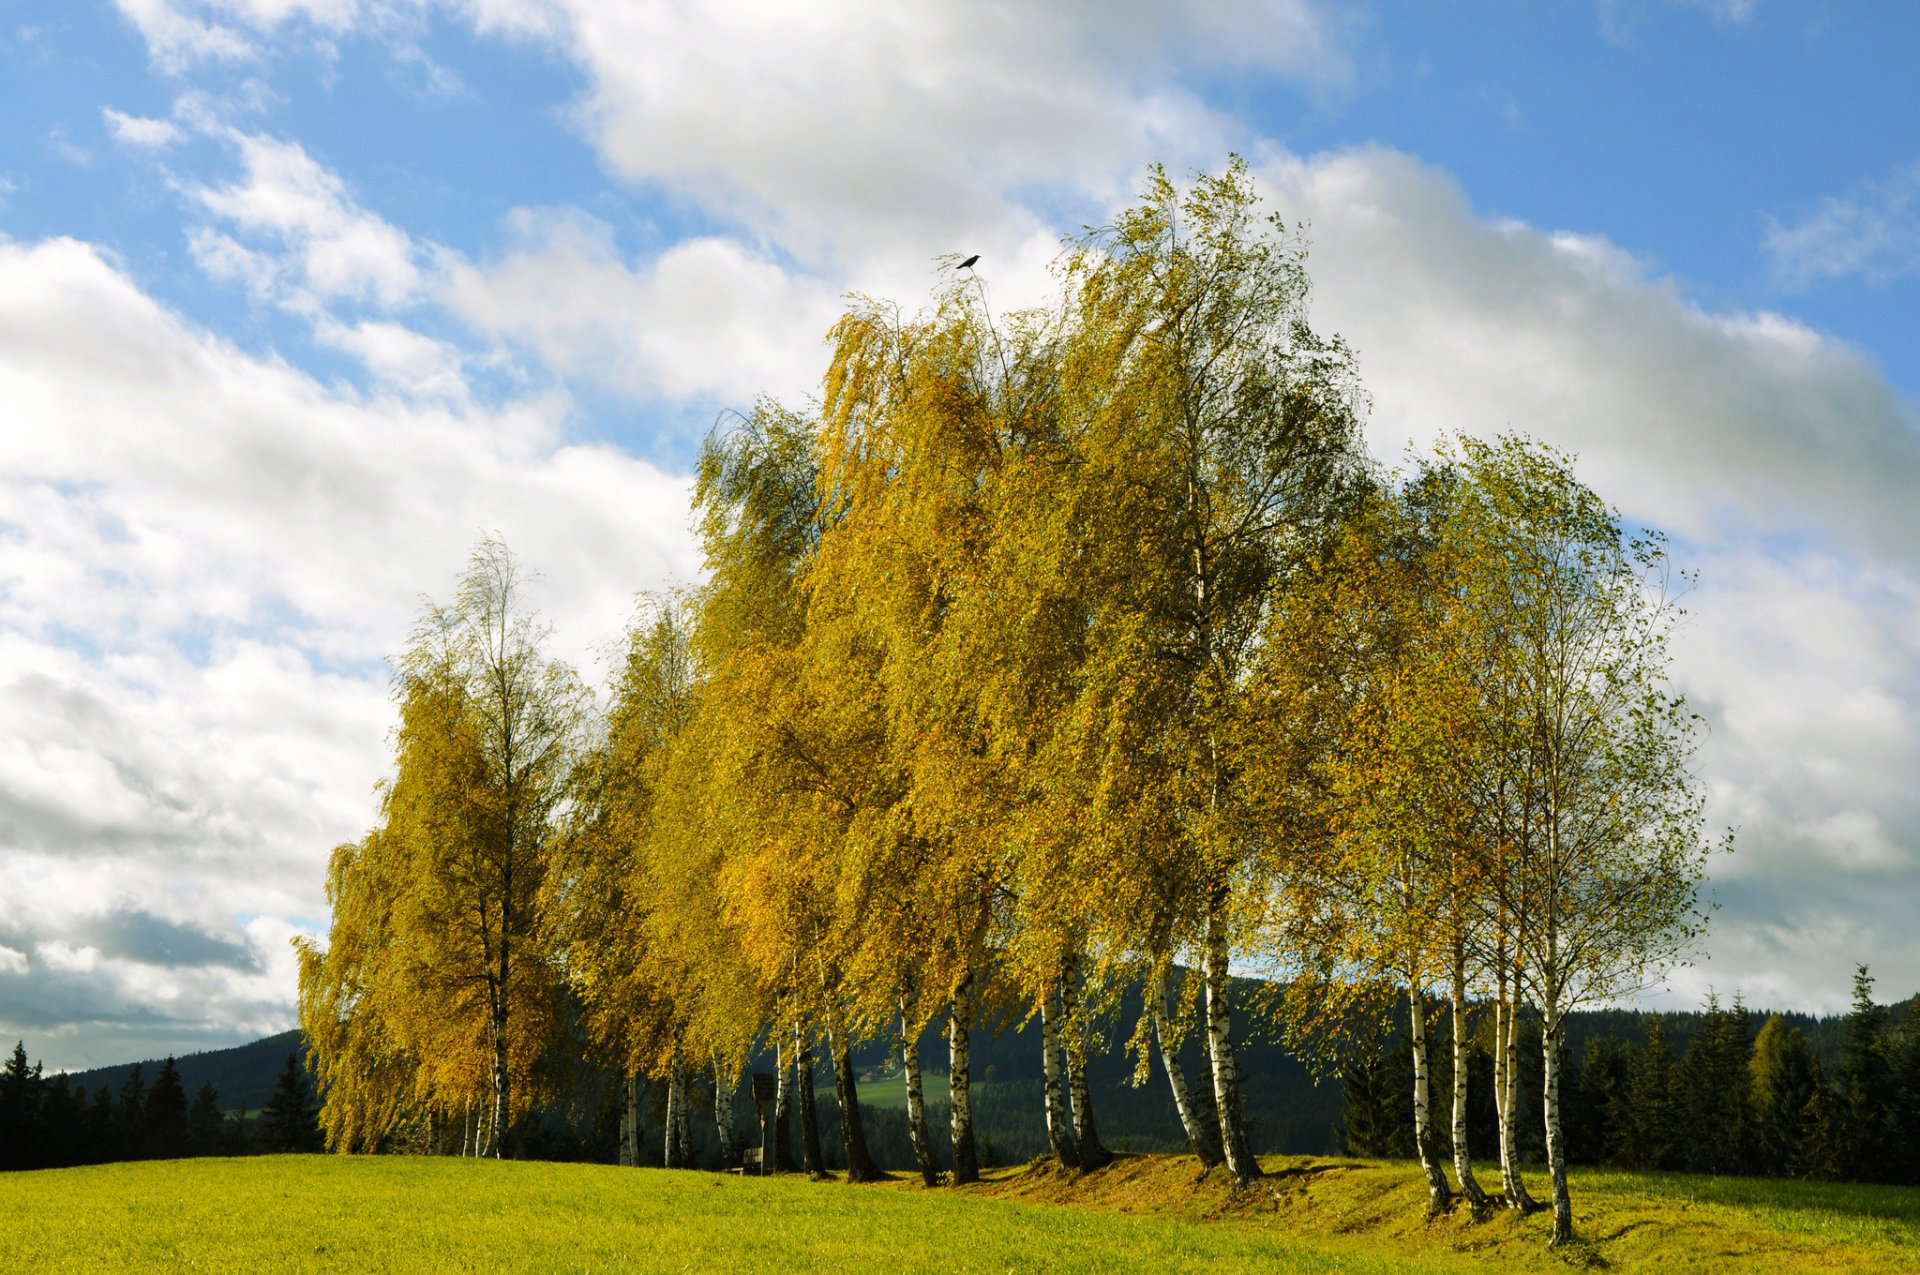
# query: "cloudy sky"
{"points": [[298, 297]]}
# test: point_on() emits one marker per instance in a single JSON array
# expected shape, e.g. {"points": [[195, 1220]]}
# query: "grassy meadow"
{"points": [[322, 1213]]}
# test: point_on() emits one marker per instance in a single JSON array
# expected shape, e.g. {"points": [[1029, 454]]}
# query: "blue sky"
{"points": [[296, 296]]}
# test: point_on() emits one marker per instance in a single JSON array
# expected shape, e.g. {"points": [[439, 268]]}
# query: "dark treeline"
{"points": [[1724, 1091], [48, 1122]]}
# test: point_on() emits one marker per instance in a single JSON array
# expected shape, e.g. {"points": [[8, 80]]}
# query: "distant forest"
{"points": [[50, 1122], [1724, 1090]]}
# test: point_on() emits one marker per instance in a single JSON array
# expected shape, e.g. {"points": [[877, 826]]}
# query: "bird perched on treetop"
{"points": [[968, 263]]}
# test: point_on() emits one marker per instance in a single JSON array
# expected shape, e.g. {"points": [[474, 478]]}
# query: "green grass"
{"points": [[892, 1092], [319, 1213]]}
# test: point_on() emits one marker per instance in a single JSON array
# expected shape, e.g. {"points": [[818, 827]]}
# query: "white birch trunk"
{"points": [[1226, 1074], [811, 1159], [966, 1157], [1506, 1090], [782, 1112], [1462, 1160], [916, 1102], [1073, 1023], [1551, 1028], [630, 1121], [1438, 1196], [723, 1113], [1052, 1068], [1202, 1141], [670, 1152]]}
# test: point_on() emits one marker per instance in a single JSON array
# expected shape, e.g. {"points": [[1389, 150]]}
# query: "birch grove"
{"points": [[1047, 657]]}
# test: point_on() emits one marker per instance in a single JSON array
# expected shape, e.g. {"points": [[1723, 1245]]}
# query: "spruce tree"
{"points": [[287, 1122], [1646, 1122], [20, 1096], [1866, 1098], [1712, 1093], [164, 1115], [1602, 1101], [205, 1125]]}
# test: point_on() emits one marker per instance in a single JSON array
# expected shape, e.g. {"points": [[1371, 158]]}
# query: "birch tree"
{"points": [[1211, 423], [1609, 847]]}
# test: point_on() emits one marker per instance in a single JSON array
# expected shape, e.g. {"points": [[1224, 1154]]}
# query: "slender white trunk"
{"points": [[916, 1102], [1053, 1070], [630, 1121], [1506, 1091], [1438, 1196], [1552, 1027], [811, 1159], [1226, 1075], [782, 1111], [966, 1157], [1074, 1025], [1203, 1141], [676, 1098], [1462, 1161], [723, 1112]]}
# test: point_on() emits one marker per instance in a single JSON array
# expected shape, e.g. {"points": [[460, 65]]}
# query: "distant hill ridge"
{"points": [[244, 1075]]}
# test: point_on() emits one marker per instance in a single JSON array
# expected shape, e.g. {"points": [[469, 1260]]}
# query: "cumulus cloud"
{"points": [[707, 317], [207, 555], [338, 250], [1781, 459]]}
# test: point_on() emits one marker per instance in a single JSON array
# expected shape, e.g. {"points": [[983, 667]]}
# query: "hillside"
{"points": [[244, 1074], [408, 1213], [1292, 1114]]}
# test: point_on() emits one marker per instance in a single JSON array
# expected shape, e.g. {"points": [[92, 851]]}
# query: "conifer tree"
{"points": [[21, 1098], [164, 1114], [206, 1125], [1865, 1089], [287, 1122]]}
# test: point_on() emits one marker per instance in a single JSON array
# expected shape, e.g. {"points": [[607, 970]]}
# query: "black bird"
{"points": [[968, 263]]}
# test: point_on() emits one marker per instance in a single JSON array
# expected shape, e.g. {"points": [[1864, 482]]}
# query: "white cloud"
{"points": [[206, 557], [401, 358], [1874, 235], [341, 250], [12, 961], [1782, 460], [705, 318], [135, 130]]}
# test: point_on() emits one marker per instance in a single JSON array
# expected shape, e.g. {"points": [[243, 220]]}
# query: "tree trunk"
{"points": [[723, 1113], [1226, 1075], [1086, 1135], [1438, 1196], [966, 1156], [1462, 1161], [811, 1160], [1203, 1141], [630, 1121], [853, 1138], [676, 1098], [685, 1122], [500, 1079], [1513, 1188], [1053, 1069], [916, 1102], [1552, 1028], [782, 1110]]}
